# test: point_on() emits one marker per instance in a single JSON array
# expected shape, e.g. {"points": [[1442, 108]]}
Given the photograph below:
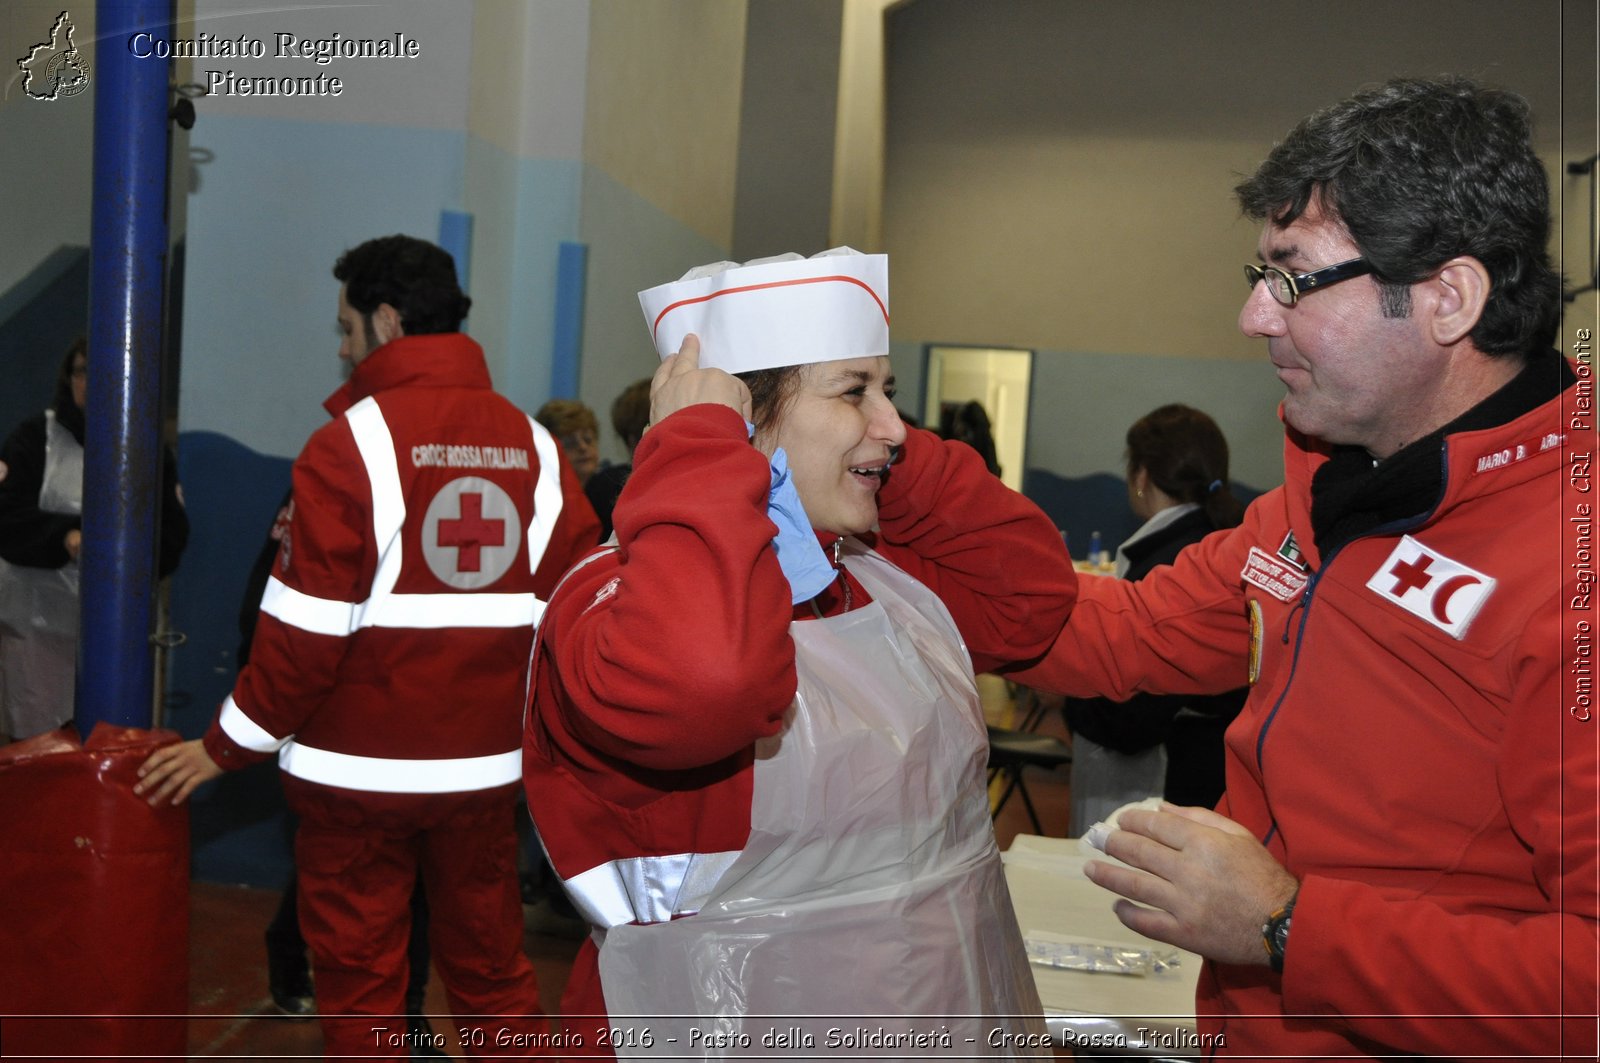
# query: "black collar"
{"points": [[1192, 525], [1350, 496]]}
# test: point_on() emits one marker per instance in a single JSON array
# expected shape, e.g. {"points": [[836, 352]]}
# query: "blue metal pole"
{"points": [[572, 262], [122, 441], [455, 236]]}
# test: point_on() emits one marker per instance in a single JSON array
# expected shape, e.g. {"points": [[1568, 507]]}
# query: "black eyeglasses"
{"points": [[1287, 287]]}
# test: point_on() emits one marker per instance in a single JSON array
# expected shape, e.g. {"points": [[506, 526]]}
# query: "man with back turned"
{"points": [[430, 520]]}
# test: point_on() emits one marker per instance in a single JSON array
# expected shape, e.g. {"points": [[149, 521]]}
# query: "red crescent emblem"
{"points": [[1447, 589]]}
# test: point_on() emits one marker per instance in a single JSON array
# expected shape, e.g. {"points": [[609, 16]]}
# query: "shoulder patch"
{"points": [[1253, 611], [1289, 550], [1274, 574]]}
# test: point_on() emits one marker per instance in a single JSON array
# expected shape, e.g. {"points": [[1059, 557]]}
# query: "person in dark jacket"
{"points": [[630, 414], [41, 533], [1155, 743]]}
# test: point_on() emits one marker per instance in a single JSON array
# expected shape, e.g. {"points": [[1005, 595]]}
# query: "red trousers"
{"points": [[358, 856]]}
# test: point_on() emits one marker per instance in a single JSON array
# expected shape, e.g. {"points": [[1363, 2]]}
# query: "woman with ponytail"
{"points": [[1160, 744]]}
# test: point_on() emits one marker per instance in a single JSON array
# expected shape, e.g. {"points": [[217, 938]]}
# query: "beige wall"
{"points": [[662, 117], [857, 219], [1059, 174], [48, 157], [788, 127], [1105, 244], [660, 152], [1580, 138], [532, 60]]}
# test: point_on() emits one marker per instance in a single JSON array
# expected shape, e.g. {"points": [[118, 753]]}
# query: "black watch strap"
{"points": [[1275, 933]]}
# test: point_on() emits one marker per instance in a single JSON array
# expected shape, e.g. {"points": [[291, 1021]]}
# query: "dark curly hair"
{"points": [[1419, 171], [415, 277], [968, 422]]}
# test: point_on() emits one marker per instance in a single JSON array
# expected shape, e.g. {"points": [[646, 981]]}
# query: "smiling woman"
{"points": [[838, 424], [763, 692]]}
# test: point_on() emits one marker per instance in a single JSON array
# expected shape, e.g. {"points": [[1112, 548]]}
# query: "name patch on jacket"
{"points": [[1275, 575], [1425, 583], [1499, 459], [467, 456]]}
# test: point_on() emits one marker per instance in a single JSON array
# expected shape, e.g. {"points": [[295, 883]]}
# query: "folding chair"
{"points": [[1012, 752]]}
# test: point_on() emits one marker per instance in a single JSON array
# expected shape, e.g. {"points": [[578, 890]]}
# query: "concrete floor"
{"points": [[232, 1015]]}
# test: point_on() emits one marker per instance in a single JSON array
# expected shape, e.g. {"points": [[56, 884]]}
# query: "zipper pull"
{"points": [[838, 545], [1304, 602]]}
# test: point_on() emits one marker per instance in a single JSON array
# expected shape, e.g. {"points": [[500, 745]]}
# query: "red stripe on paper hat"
{"points": [[775, 312]]}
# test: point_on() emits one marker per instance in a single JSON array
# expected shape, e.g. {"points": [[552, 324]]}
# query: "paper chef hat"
{"points": [[772, 312]]}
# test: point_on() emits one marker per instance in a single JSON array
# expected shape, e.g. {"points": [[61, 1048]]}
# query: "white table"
{"points": [[1126, 1015]]}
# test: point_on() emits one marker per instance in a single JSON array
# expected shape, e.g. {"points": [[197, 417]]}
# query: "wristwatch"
{"points": [[1275, 932]]}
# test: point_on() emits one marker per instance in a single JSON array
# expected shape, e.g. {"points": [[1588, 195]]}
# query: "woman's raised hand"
{"points": [[680, 382]]}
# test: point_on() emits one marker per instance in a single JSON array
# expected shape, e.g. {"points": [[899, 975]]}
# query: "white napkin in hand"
{"points": [[1094, 839]]}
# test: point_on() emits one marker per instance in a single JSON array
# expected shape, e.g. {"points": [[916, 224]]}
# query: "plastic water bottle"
{"points": [[1097, 550]]}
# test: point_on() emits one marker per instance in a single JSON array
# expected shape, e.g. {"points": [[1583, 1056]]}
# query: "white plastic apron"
{"points": [[869, 911], [39, 606]]}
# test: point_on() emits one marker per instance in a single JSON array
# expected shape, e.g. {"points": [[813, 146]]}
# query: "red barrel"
{"points": [[94, 884]]}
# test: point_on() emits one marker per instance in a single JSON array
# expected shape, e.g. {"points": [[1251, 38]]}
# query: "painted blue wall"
{"points": [[40, 316], [525, 209], [260, 352], [1081, 406], [272, 205], [232, 494], [1083, 403]]}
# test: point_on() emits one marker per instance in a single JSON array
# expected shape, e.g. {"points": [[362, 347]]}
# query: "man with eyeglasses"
{"points": [[1405, 857]]}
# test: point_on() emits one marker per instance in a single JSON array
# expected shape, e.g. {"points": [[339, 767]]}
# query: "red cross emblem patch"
{"points": [[1425, 583], [470, 533]]}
